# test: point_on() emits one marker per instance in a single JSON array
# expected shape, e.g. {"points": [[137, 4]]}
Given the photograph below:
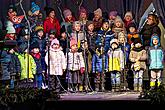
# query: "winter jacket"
{"points": [[81, 36], [115, 60], [75, 61], [135, 54], [155, 56], [56, 60], [91, 39], [23, 58], [15, 66], [48, 25], [97, 63], [104, 38], [147, 32]]}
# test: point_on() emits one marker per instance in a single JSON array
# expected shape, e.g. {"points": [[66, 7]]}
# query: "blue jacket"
{"points": [[103, 38], [155, 55], [97, 66]]}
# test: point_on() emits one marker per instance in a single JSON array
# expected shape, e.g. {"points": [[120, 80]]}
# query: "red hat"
{"points": [[73, 42]]}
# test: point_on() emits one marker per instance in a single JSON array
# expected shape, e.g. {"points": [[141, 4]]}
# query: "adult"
{"points": [[51, 22]]}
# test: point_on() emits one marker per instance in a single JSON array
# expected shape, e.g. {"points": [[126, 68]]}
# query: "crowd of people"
{"points": [[107, 49]]}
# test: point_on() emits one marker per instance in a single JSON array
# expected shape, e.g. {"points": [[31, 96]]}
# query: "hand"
{"points": [[82, 70]]}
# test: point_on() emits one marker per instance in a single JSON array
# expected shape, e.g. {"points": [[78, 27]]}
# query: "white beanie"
{"points": [[128, 13], [114, 41], [98, 11]]}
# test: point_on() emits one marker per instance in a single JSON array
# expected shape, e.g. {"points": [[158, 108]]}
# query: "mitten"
{"points": [[82, 70]]}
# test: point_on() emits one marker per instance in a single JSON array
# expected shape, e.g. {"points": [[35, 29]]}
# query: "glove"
{"points": [[82, 70]]}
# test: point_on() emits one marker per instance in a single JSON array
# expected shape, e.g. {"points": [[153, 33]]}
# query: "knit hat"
{"points": [[132, 25], [34, 45], [82, 10], [67, 12], [98, 11], [137, 40], [39, 28], [105, 21], [114, 41], [113, 13], [48, 10], [88, 23], [34, 7], [55, 41], [73, 42], [129, 13]]}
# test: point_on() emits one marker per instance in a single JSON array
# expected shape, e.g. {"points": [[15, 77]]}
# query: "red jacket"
{"points": [[48, 25]]}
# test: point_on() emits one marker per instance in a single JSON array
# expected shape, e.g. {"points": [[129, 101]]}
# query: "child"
{"points": [[105, 35], [35, 52], [125, 47], [99, 67], [83, 16], [28, 68], [138, 58], [132, 33], [76, 67], [77, 34], [155, 58], [116, 64], [91, 37], [56, 63], [14, 68]]}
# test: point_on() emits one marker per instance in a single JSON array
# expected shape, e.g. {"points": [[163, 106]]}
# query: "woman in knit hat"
{"points": [[128, 18], [51, 22], [83, 16], [69, 19], [112, 17], [118, 26], [97, 20]]}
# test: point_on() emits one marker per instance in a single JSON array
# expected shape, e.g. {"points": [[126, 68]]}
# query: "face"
{"points": [[118, 24], [85, 45], [96, 16], [52, 14], [128, 18], [138, 45], [63, 35], [105, 26], [150, 20], [69, 17], [114, 45], [121, 39], [27, 36], [40, 33], [55, 46], [77, 27], [155, 41], [51, 37], [74, 48], [36, 12], [36, 50], [132, 29], [90, 27], [83, 16]]}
